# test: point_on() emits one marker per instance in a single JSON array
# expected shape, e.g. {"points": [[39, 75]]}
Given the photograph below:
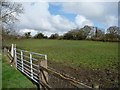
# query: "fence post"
{"points": [[22, 59], [12, 50], [15, 58], [43, 76], [31, 65]]}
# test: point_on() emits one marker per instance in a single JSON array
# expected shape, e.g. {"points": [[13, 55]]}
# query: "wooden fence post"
{"points": [[43, 75]]}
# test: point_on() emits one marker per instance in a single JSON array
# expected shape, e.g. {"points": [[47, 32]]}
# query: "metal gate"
{"points": [[26, 63]]}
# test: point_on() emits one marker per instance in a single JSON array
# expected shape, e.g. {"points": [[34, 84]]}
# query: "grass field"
{"points": [[12, 78], [90, 54]]}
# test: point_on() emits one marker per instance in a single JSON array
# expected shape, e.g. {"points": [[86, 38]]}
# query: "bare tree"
{"points": [[9, 11]]}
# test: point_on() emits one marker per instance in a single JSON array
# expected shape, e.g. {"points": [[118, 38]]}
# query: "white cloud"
{"points": [[94, 11], [90, 9], [61, 23], [111, 21], [82, 21], [36, 16]]}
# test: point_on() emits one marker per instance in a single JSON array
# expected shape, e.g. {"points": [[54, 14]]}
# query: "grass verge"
{"points": [[12, 78]]}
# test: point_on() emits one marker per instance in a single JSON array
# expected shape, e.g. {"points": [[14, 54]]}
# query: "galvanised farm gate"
{"points": [[34, 66]]}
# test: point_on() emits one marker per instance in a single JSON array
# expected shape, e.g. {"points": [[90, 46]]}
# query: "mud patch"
{"points": [[105, 78]]}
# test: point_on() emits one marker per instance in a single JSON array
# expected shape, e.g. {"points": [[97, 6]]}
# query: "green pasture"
{"points": [[75, 53]]}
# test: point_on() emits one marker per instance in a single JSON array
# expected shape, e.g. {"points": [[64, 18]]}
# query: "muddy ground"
{"points": [[105, 78]]}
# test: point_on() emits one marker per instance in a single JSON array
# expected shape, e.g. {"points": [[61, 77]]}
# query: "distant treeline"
{"points": [[85, 33]]}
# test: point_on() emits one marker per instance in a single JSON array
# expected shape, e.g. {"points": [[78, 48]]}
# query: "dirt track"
{"points": [[106, 78]]}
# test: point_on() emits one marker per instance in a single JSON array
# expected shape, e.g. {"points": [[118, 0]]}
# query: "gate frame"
{"points": [[43, 76]]}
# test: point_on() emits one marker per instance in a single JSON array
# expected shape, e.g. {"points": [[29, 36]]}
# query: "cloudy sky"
{"points": [[60, 17]]}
